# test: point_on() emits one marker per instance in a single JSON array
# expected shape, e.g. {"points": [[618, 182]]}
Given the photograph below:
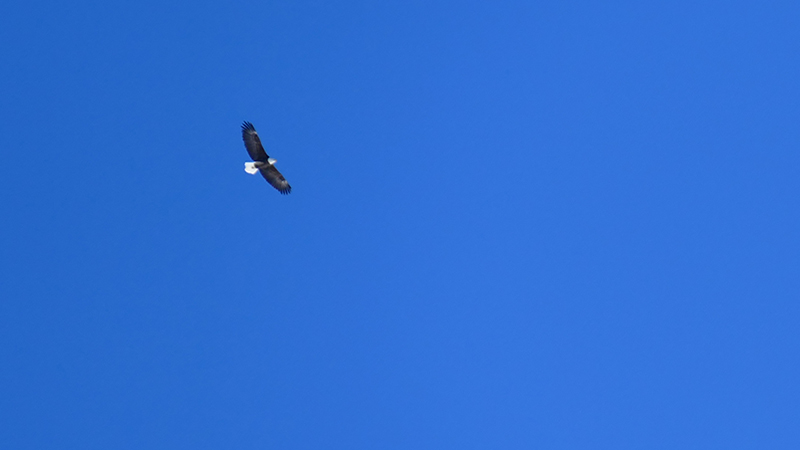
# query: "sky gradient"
{"points": [[513, 225]]}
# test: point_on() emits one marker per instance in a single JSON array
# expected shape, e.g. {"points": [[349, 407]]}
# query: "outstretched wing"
{"points": [[252, 143], [273, 177]]}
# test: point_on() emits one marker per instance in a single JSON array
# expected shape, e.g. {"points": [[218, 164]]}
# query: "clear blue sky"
{"points": [[513, 225]]}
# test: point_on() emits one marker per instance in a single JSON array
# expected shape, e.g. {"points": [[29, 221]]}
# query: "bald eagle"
{"points": [[261, 162]]}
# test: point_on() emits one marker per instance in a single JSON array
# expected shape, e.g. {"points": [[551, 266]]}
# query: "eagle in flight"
{"points": [[261, 161]]}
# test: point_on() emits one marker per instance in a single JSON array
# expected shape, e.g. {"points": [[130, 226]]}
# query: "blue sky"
{"points": [[513, 225]]}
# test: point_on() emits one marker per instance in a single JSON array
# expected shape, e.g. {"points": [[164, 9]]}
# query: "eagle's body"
{"points": [[261, 161]]}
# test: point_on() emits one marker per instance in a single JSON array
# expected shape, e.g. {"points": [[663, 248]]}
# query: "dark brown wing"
{"points": [[252, 143], [273, 177]]}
